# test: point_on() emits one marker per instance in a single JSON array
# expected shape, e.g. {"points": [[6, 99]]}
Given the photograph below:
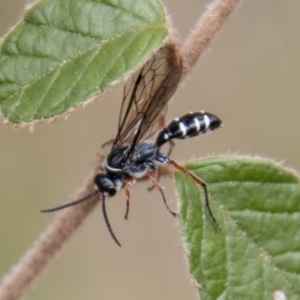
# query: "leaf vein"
{"points": [[265, 256]]}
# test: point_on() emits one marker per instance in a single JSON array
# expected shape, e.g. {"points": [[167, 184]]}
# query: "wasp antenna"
{"points": [[71, 203], [107, 222]]}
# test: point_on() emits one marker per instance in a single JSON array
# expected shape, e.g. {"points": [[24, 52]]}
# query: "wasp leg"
{"points": [[163, 125], [159, 187], [157, 178], [203, 185], [105, 148], [172, 144], [101, 158], [108, 143], [127, 194]]}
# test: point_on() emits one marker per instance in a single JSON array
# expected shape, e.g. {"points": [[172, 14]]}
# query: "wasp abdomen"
{"points": [[189, 125]]}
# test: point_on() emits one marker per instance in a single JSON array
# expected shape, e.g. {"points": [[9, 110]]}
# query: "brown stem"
{"points": [[47, 246], [65, 224], [206, 28]]}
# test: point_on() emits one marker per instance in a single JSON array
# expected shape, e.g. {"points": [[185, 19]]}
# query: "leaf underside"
{"points": [[256, 202], [66, 52]]}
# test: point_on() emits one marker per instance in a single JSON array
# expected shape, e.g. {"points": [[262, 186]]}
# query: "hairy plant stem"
{"points": [[47, 245], [31, 265], [206, 28]]}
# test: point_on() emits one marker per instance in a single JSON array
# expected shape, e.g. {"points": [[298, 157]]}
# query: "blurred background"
{"points": [[249, 78]]}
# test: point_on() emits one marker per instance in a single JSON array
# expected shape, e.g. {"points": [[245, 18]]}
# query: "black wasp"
{"points": [[142, 115]]}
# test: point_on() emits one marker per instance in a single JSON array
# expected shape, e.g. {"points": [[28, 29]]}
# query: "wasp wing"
{"points": [[145, 98]]}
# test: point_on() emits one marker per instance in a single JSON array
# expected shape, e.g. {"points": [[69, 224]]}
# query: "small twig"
{"points": [[66, 223], [47, 246], [207, 27]]}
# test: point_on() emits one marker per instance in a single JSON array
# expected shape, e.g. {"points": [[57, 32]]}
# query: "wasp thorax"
{"points": [[116, 159], [144, 152]]}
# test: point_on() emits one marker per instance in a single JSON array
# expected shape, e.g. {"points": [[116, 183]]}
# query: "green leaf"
{"points": [[256, 202], [65, 52]]}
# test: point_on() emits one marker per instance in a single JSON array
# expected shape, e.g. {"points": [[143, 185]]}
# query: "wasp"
{"points": [[132, 156]]}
